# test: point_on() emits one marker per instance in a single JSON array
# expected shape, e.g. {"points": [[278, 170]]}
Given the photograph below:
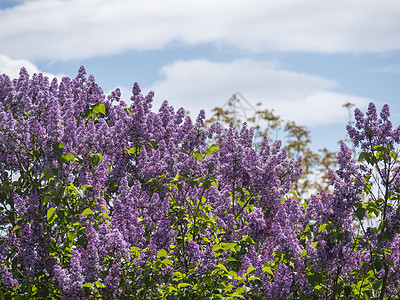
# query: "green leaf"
{"points": [[250, 270], [87, 285], [197, 155], [378, 264], [360, 212], [229, 246], [248, 239], [71, 237], [347, 290], [322, 227], [66, 158], [377, 284], [236, 295], [381, 148], [87, 211], [51, 215], [216, 247], [389, 262], [251, 278], [363, 155], [58, 147], [372, 207], [315, 278], [210, 150], [367, 187], [96, 158], [132, 150], [320, 288], [171, 289], [222, 267], [206, 185], [99, 108], [294, 194], [153, 144], [183, 284], [268, 270], [99, 284], [303, 252], [162, 253], [177, 276], [87, 187], [368, 157], [167, 262], [104, 216], [233, 274], [44, 172]]}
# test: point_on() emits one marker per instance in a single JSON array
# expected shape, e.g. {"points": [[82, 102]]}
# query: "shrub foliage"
{"points": [[101, 200]]}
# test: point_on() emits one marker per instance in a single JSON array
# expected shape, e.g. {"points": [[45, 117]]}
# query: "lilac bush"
{"points": [[104, 200]]}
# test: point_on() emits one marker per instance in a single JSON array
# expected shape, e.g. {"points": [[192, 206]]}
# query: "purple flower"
{"points": [[112, 280], [112, 242], [371, 131], [7, 278], [71, 281], [161, 238], [257, 224]]}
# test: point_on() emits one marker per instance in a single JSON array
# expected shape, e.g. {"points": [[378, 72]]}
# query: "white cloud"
{"points": [[11, 67], [201, 84], [307, 99], [388, 69], [66, 29]]}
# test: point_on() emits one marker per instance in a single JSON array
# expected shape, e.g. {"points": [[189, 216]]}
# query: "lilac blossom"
{"points": [[370, 130], [94, 188], [112, 280], [70, 281], [137, 145]]}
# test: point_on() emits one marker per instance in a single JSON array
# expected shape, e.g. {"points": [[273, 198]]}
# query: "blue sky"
{"points": [[302, 58]]}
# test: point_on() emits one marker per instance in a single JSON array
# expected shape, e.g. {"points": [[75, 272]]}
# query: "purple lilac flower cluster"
{"points": [[136, 146], [96, 193], [370, 130]]}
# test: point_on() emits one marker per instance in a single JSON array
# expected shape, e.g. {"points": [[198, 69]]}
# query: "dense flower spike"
{"points": [[370, 131], [100, 199]]}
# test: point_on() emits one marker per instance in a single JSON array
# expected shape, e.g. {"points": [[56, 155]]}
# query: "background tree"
{"points": [[296, 140]]}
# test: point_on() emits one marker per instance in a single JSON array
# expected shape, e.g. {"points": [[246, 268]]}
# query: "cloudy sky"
{"points": [[302, 58]]}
